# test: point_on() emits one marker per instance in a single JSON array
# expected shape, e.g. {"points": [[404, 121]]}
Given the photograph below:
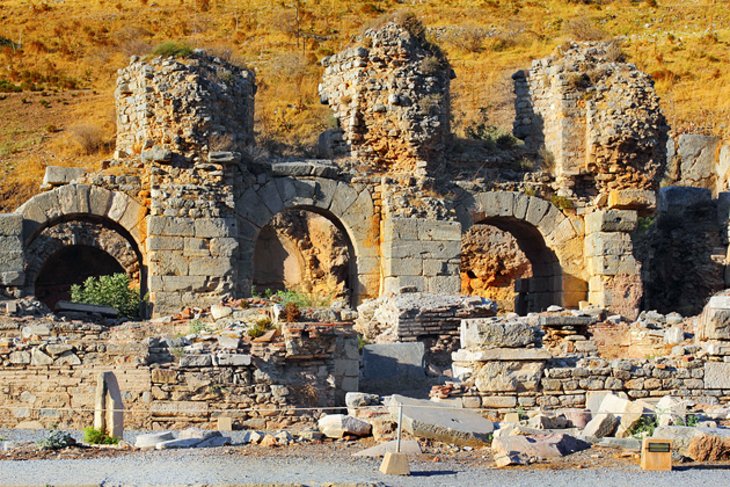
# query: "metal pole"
{"points": [[400, 423]]}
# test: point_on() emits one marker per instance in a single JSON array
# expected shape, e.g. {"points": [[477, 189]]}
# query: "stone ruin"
{"points": [[185, 202]]}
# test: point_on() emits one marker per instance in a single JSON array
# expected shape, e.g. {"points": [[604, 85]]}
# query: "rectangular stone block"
{"points": [[11, 224], [439, 230], [214, 227], [172, 226], [11, 245], [57, 175], [443, 284], [611, 221], [604, 243], [394, 284], [409, 266], [211, 266], [11, 261], [632, 199], [611, 265], [717, 375], [164, 243], [401, 229]]}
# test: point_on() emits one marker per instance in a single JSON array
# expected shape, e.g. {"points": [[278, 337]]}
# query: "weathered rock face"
{"points": [[390, 94], [169, 108], [509, 376], [491, 262], [302, 251], [692, 161], [596, 116]]}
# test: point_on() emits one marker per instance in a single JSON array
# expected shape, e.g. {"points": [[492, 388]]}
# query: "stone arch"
{"points": [[349, 208], [89, 219], [550, 239]]}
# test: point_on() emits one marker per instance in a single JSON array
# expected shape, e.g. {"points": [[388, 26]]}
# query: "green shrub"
{"points": [[56, 440], [114, 291], [93, 436], [562, 202], [261, 326], [494, 137], [172, 49], [644, 427], [8, 87], [197, 327]]}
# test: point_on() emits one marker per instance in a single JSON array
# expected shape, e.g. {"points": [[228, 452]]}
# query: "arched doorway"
{"points": [[550, 240], [304, 251], [520, 259], [70, 250]]}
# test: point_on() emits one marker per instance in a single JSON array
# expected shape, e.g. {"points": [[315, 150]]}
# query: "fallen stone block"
{"points": [[339, 425], [545, 421], [541, 446], [197, 433], [689, 441], [671, 410], [252, 437], [361, 399], [214, 442], [178, 443], [425, 419], [630, 444], [603, 424], [63, 306], [628, 412], [409, 447], [709, 448], [151, 439]]}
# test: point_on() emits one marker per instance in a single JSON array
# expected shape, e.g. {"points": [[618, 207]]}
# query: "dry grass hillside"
{"points": [[58, 61]]}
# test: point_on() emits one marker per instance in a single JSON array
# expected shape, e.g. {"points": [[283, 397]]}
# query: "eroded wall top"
{"points": [[390, 94], [594, 116]]}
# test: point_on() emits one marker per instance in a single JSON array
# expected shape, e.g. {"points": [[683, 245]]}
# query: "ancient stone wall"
{"points": [[504, 365], [390, 94], [11, 251], [49, 377], [595, 119]]}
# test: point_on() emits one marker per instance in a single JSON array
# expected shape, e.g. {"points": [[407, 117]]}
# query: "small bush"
{"points": [[644, 427], [261, 326], [583, 29], [431, 65], [495, 137], [114, 291], [562, 202], [89, 138], [172, 49], [197, 327], [56, 440], [93, 436], [8, 87], [292, 312]]}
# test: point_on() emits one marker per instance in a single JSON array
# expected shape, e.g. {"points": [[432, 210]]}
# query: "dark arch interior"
{"points": [[545, 286], [69, 266]]}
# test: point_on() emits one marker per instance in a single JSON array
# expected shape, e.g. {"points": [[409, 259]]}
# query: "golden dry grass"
{"points": [[71, 50]]}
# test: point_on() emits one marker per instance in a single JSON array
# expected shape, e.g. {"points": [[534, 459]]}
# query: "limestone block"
{"points": [[58, 175], [717, 375], [12, 278], [167, 263], [632, 199], [11, 224], [164, 243], [501, 354], [696, 154], [443, 284], [215, 227], [611, 265], [552, 219], [515, 376], [675, 199], [520, 206], [324, 193], [499, 402], [536, 210], [118, 206], [486, 333], [400, 229], [269, 195], [611, 221], [100, 200], [407, 266], [601, 425], [224, 246], [196, 247], [171, 226], [211, 266], [11, 261], [714, 322], [604, 243], [438, 230], [440, 423], [339, 425], [343, 198]]}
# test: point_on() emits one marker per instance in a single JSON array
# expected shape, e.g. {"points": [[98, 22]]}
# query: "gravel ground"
{"points": [[329, 463]]}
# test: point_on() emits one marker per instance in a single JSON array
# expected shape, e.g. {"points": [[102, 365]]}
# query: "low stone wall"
{"points": [[49, 374], [503, 366]]}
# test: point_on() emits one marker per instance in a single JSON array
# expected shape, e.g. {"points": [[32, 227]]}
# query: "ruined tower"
{"points": [[390, 95]]}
